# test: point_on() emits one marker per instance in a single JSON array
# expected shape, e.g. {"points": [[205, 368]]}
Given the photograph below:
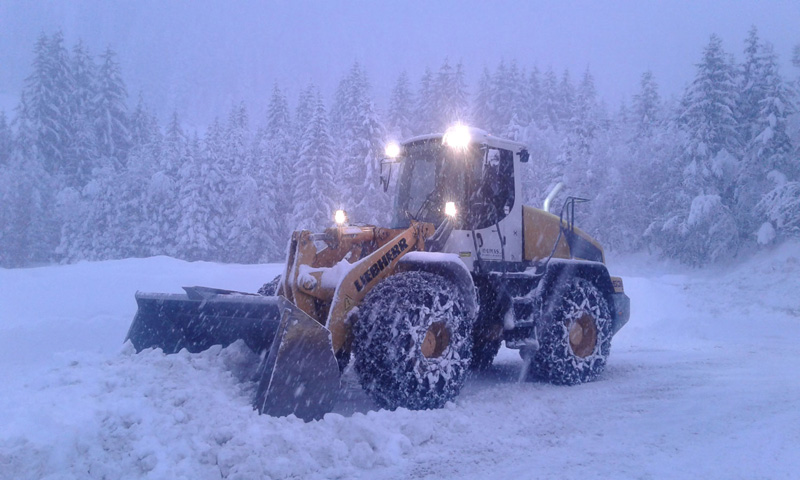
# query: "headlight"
{"points": [[450, 209], [457, 136], [392, 150], [340, 217]]}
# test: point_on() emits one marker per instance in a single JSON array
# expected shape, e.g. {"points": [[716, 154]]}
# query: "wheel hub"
{"points": [[583, 336], [436, 340]]}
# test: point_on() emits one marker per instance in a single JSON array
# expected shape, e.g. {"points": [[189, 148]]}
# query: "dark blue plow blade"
{"points": [[202, 318], [299, 376]]}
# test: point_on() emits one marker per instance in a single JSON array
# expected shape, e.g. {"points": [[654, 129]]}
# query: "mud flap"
{"points": [[203, 318], [300, 374]]}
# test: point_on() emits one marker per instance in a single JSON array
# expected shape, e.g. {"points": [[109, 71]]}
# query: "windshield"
{"points": [[480, 180]]}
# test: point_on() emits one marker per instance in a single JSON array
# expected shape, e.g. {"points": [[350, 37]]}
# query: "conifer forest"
{"points": [[88, 172]]}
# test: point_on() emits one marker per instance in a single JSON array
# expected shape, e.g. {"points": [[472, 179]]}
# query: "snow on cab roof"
{"points": [[478, 135]]}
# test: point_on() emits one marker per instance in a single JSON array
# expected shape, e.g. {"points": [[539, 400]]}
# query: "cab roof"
{"points": [[479, 136]]}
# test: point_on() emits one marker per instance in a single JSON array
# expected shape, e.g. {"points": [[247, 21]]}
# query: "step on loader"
{"points": [[464, 267]]}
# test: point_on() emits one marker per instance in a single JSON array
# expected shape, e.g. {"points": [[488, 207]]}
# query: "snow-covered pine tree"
{"points": [[750, 87], [359, 142], [6, 139], [314, 173], [450, 97], [83, 151], [646, 108], [770, 165], [143, 127], [424, 111], [276, 148], [302, 118], [202, 223], [586, 114], [160, 203], [550, 102], [704, 229], [508, 99], [249, 225], [483, 109], [132, 220], [47, 109], [646, 179], [110, 111], [401, 109], [533, 97], [28, 227], [566, 99]]}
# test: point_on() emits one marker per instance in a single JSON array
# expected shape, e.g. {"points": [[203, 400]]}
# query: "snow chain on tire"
{"points": [[580, 310], [397, 361]]}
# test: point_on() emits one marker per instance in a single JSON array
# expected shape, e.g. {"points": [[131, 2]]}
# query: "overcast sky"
{"points": [[201, 56]]}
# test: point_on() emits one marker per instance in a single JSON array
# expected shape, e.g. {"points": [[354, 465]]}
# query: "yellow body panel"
{"points": [[540, 231]]}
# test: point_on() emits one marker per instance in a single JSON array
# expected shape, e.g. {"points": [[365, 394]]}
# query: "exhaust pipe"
{"points": [[551, 196]]}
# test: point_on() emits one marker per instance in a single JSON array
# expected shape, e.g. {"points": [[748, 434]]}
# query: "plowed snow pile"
{"points": [[702, 382]]}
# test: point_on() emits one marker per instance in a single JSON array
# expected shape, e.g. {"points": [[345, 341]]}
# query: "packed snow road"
{"points": [[701, 383]]}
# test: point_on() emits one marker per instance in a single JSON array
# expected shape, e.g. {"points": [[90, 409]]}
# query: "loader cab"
{"points": [[475, 172], [476, 177]]}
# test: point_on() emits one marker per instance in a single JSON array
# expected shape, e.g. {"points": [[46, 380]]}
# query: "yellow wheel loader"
{"points": [[464, 267]]}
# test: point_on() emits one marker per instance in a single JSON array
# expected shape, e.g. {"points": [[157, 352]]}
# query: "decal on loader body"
{"points": [[380, 264]]}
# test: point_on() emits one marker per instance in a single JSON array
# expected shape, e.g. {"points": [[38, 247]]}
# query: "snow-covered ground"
{"points": [[701, 383]]}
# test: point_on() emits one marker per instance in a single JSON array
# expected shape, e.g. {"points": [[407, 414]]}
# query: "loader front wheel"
{"points": [[412, 341], [576, 339]]}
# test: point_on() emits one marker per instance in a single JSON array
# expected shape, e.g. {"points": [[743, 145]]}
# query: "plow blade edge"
{"points": [[195, 322], [300, 374]]}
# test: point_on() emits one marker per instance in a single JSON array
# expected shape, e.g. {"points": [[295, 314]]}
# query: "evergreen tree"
{"points": [[83, 151], [314, 187], [533, 98], [708, 118], [6, 139], [248, 225], [450, 97], [586, 114], [646, 109], [201, 231], [707, 228], [770, 159], [47, 109], [425, 113], [28, 227], [483, 111], [160, 203], [277, 148], [565, 106], [359, 149], [550, 101], [144, 130], [401, 104], [111, 111]]}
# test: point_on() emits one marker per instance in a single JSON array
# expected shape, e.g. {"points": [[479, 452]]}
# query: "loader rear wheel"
{"points": [[270, 288], [576, 339], [412, 341]]}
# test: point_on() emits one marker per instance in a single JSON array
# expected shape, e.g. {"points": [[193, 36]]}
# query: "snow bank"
{"points": [[700, 382]]}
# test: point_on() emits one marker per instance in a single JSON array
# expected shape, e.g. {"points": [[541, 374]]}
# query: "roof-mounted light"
{"points": [[457, 136], [392, 150], [340, 217]]}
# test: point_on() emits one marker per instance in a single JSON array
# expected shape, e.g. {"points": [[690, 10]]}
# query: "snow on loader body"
{"points": [[464, 267]]}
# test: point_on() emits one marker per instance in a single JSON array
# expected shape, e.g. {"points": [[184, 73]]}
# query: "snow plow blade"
{"points": [[300, 375], [204, 317]]}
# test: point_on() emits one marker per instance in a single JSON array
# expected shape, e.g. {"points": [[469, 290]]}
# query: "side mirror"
{"points": [[524, 156]]}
